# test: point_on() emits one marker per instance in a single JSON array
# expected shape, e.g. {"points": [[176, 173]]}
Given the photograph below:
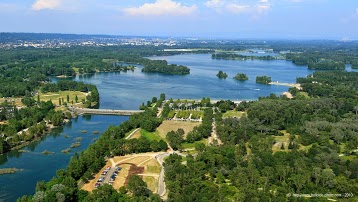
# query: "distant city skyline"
{"points": [[236, 19]]}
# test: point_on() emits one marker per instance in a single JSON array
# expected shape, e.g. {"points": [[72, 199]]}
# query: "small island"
{"points": [[161, 66], [221, 75], [4, 171], [263, 79], [241, 77]]}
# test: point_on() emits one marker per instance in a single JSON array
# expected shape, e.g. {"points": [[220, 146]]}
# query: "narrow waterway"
{"points": [[37, 166]]}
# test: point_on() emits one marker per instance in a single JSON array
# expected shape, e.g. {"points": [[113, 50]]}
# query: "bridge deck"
{"points": [[105, 111]]}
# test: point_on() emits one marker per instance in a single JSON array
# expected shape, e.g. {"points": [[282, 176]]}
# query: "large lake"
{"points": [[128, 91]]}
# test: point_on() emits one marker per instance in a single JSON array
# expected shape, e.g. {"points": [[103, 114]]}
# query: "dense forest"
{"points": [[319, 155]]}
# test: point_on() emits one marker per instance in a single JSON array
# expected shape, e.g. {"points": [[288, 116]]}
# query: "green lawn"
{"points": [[192, 145], [150, 135], [62, 94], [281, 139], [233, 113]]}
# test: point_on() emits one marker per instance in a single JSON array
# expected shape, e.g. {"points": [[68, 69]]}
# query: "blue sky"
{"points": [[286, 19]]}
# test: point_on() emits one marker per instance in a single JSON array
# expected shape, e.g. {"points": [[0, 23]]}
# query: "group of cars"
{"points": [[100, 181]]}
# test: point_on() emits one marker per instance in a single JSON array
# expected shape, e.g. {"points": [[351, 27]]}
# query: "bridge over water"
{"points": [[104, 111]]}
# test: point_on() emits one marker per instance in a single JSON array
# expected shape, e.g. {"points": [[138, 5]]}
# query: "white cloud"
{"points": [[214, 3], [262, 8], [356, 11], [161, 7], [257, 9], [238, 8], [46, 4]]}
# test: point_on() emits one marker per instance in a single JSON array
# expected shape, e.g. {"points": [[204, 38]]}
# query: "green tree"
{"points": [[137, 186]]}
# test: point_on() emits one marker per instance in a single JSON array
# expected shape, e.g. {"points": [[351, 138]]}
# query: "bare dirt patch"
{"points": [[168, 126]]}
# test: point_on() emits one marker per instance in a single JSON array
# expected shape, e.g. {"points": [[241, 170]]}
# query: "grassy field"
{"points": [[233, 113], [192, 145], [281, 140], [168, 126], [63, 94], [151, 135]]}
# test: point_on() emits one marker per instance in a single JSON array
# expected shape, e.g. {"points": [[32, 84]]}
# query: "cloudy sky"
{"points": [[286, 19]]}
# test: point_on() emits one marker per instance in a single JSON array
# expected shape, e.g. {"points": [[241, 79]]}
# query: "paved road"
{"points": [[161, 184], [109, 174]]}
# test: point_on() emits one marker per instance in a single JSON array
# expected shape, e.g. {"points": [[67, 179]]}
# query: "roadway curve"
{"points": [[161, 184]]}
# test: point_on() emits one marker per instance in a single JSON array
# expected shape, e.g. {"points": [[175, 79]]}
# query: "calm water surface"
{"points": [[128, 91]]}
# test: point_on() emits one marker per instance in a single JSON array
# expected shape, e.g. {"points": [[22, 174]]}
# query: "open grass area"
{"points": [[76, 69], [304, 94], [54, 97], [152, 166], [350, 157], [192, 145], [168, 126], [281, 140], [151, 135], [16, 101], [233, 113], [305, 148], [152, 183]]}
